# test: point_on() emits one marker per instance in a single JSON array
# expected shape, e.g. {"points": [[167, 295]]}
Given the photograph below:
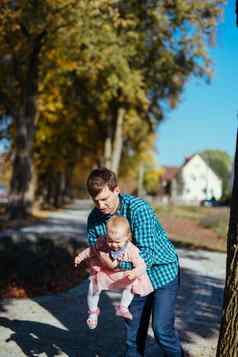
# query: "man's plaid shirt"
{"points": [[148, 235]]}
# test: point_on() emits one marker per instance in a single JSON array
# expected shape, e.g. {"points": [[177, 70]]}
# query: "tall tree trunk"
{"points": [[20, 199], [108, 146], [68, 194], [141, 190], [228, 339], [118, 141], [22, 170]]}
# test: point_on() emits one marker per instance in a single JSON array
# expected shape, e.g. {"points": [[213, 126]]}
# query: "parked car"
{"points": [[212, 202]]}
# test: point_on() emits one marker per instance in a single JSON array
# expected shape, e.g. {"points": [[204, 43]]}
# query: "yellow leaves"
{"points": [[152, 179], [52, 54], [56, 56], [50, 105], [67, 64], [106, 28]]}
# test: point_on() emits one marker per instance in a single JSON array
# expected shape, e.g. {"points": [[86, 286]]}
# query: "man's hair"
{"points": [[119, 222], [99, 178]]}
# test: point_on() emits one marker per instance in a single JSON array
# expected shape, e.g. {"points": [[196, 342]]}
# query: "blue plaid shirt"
{"points": [[148, 235]]}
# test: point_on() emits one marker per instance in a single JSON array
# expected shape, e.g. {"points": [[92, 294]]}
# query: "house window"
{"points": [[193, 177]]}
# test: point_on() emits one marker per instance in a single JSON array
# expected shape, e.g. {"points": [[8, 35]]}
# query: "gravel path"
{"points": [[54, 325]]}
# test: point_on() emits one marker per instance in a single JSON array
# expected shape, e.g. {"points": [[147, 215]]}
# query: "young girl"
{"points": [[118, 245]]}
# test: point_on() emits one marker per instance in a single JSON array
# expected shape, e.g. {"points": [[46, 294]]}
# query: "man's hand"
{"points": [[131, 275], [107, 261]]}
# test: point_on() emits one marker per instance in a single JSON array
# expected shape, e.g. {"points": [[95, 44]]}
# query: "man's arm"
{"points": [[92, 235], [143, 234]]}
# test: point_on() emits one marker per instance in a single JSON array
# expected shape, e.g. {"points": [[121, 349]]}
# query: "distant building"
{"points": [[193, 182]]}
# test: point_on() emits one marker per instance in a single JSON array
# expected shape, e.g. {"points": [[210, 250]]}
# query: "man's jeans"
{"points": [[163, 301]]}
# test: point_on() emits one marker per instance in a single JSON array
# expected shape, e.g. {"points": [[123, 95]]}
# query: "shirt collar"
{"points": [[118, 211], [118, 253]]}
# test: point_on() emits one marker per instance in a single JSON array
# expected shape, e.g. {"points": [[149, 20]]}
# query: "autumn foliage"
{"points": [[85, 83]]}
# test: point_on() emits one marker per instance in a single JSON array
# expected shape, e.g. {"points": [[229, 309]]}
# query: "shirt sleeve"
{"points": [[143, 233], [92, 235], [125, 265]]}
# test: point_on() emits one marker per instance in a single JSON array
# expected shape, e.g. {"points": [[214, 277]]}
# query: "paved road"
{"points": [[55, 325]]}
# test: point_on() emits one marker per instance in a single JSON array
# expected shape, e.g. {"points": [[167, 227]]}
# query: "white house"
{"points": [[194, 181]]}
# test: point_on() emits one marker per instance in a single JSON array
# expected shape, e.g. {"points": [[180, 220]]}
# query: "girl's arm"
{"points": [[103, 255], [85, 254]]}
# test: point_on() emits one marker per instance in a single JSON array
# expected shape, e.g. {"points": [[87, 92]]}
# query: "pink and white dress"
{"points": [[103, 278]]}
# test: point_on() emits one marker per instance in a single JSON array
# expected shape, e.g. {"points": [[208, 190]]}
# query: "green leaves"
{"points": [[97, 57]]}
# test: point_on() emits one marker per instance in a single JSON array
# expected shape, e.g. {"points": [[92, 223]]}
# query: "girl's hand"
{"points": [[131, 275], [77, 260]]}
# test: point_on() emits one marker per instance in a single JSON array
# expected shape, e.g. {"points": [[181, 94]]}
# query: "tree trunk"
{"points": [[20, 200], [19, 203], [228, 339], [118, 141], [68, 193], [108, 146], [141, 190]]}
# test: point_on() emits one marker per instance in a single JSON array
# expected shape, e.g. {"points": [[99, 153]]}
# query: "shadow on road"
{"points": [[199, 305], [198, 311], [198, 314]]}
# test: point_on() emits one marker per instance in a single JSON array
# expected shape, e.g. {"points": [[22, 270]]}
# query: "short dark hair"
{"points": [[99, 178]]}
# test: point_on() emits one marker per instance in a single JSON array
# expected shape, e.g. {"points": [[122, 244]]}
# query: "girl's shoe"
{"points": [[123, 312], [92, 320]]}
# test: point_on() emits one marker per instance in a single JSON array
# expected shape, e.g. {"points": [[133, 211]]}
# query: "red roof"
{"points": [[169, 173]]}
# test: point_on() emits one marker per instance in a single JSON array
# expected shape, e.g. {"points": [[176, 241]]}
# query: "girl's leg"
{"points": [[126, 299], [92, 299]]}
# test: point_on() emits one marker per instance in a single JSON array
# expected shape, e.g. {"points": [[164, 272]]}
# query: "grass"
{"points": [[214, 218], [204, 227]]}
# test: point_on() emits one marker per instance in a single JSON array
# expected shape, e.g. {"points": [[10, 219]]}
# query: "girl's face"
{"points": [[116, 238]]}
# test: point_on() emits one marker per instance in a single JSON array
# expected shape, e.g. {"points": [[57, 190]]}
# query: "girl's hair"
{"points": [[120, 222], [99, 178]]}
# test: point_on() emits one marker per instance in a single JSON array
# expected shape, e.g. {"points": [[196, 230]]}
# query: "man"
{"points": [[156, 250]]}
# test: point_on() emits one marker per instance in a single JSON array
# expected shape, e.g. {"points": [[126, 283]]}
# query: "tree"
{"points": [[130, 60], [220, 162], [228, 338], [27, 28]]}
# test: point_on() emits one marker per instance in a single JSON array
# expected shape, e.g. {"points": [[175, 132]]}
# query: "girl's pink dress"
{"points": [[106, 279]]}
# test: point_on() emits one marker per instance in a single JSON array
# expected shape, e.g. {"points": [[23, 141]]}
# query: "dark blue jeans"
{"points": [[162, 302]]}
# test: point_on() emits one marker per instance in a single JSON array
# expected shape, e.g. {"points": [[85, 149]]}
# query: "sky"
{"points": [[206, 117]]}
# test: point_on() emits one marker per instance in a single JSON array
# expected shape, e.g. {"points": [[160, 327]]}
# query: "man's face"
{"points": [[107, 201]]}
